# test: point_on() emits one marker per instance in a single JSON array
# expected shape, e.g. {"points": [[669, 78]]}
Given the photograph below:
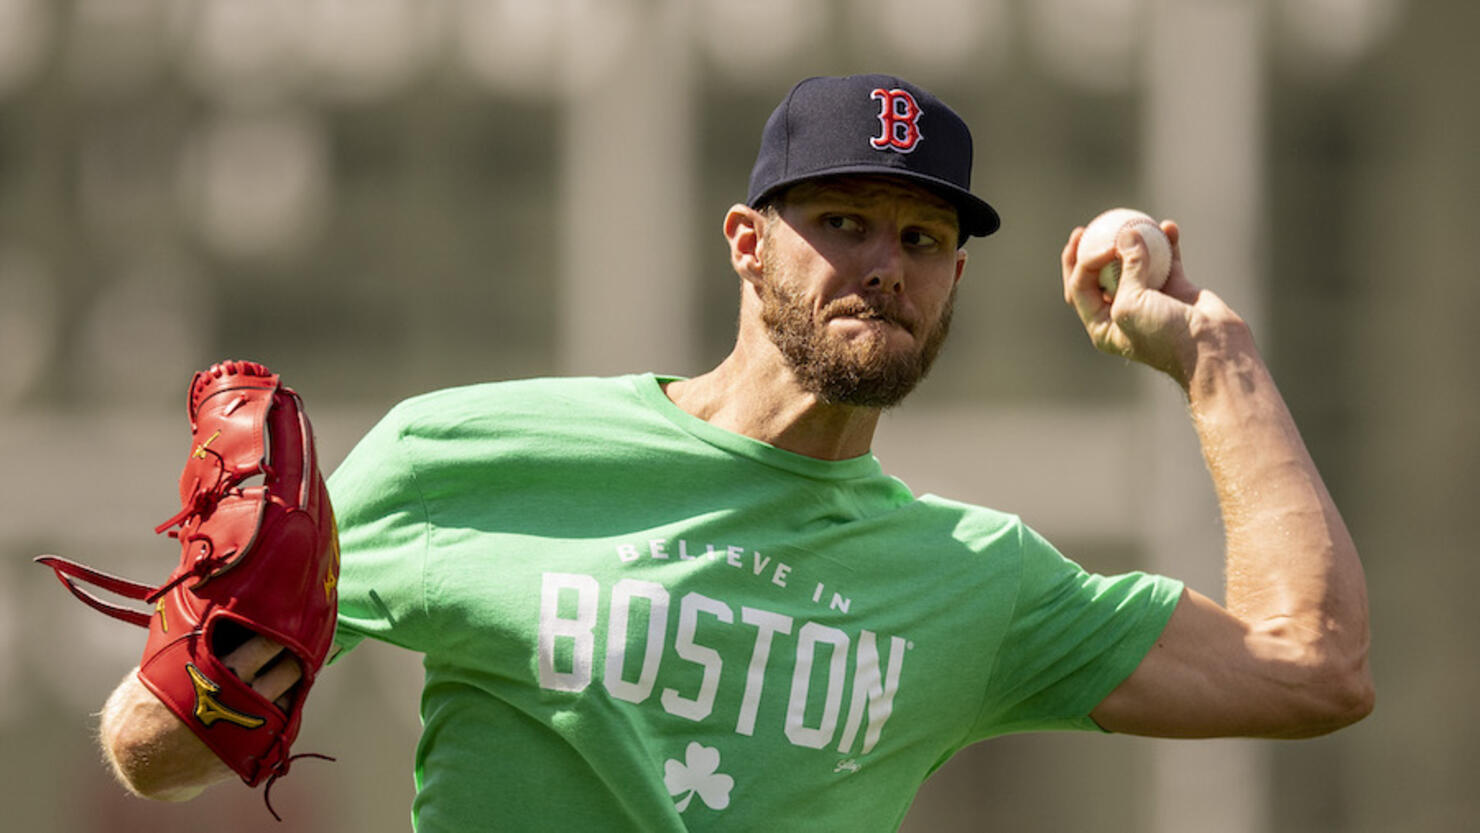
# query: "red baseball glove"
{"points": [[258, 554]]}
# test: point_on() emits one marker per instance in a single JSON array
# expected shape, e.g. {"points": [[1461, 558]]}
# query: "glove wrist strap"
{"points": [[66, 571]]}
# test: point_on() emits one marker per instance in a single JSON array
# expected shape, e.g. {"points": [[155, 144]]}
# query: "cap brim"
{"points": [[974, 215]]}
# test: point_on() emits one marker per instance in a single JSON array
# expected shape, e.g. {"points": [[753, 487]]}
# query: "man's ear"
{"points": [[960, 264], [744, 227]]}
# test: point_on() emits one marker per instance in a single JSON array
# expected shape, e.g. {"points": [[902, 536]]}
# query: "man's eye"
{"points": [[842, 222], [919, 239]]}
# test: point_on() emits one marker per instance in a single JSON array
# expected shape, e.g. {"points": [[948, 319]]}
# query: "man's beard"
{"points": [[844, 371]]}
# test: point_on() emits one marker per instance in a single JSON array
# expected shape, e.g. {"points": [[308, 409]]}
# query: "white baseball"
{"points": [[1101, 233]]}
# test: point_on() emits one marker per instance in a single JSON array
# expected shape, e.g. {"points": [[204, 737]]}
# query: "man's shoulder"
{"points": [[949, 508], [530, 397], [976, 526]]}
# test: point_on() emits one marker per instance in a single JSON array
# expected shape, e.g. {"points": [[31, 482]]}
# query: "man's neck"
{"points": [[753, 393]]}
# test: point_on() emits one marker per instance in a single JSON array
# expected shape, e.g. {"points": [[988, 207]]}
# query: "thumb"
{"points": [[1132, 250]]}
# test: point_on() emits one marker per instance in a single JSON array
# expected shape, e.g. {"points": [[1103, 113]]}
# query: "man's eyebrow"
{"points": [[859, 196], [940, 214]]}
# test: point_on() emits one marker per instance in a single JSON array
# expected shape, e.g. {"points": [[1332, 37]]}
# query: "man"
{"points": [[651, 603]]}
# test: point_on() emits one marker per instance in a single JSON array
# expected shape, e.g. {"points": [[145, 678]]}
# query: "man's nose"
{"points": [[886, 266]]}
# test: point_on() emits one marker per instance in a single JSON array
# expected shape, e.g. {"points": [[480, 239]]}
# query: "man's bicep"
{"points": [[1207, 676]]}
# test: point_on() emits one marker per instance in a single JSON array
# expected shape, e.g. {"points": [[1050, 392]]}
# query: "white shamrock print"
{"points": [[698, 774]]}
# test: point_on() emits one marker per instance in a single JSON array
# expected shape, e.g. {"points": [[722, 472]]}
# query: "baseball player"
{"points": [[653, 603]]}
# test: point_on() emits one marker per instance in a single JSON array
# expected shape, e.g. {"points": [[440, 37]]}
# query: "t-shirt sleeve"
{"points": [[1074, 636], [382, 540]]}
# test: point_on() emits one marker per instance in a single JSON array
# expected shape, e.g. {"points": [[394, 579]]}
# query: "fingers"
{"points": [[1131, 247], [248, 659], [266, 666], [1174, 234], [279, 680], [1177, 285], [1066, 262], [1067, 256], [1082, 289]]}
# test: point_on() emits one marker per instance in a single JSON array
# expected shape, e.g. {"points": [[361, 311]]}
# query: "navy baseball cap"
{"points": [[870, 124]]}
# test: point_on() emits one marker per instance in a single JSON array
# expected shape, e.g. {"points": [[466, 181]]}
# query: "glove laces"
{"points": [[282, 770]]}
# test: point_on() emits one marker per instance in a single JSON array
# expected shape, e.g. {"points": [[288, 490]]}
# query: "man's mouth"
{"points": [[863, 312]]}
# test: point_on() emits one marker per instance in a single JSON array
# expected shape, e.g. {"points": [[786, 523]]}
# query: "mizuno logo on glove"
{"points": [[208, 709]]}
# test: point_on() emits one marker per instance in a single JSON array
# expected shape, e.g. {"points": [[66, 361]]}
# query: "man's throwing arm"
{"points": [[1286, 656]]}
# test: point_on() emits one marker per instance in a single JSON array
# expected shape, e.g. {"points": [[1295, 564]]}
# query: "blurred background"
{"points": [[383, 197]]}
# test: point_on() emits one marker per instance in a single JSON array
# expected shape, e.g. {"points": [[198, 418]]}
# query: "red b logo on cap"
{"points": [[900, 117]]}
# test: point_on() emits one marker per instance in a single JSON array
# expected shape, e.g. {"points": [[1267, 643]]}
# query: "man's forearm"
{"points": [[1293, 575]]}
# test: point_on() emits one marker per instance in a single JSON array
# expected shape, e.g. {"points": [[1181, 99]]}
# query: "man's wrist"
{"points": [[1222, 359]]}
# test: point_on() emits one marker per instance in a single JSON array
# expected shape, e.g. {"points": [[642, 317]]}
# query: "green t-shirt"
{"points": [[634, 620]]}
